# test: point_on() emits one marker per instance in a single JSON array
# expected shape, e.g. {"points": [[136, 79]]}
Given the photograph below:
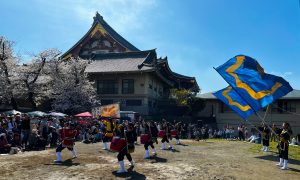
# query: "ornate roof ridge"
{"points": [[124, 54], [98, 19]]}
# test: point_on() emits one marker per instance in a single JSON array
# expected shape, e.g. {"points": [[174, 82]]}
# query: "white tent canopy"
{"points": [[12, 112]]}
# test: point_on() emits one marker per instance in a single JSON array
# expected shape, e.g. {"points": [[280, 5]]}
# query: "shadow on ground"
{"points": [[276, 159], [130, 175], [181, 144], [174, 150], [67, 162], [158, 159]]}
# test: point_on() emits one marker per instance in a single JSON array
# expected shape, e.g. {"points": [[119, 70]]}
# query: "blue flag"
{"points": [[232, 99], [253, 85]]}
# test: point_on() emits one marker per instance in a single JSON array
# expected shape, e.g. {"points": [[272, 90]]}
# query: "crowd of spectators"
{"points": [[25, 133]]}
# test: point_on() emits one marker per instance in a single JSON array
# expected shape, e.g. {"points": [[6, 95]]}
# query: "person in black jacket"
{"points": [[128, 134], [179, 129], [166, 127], [265, 135], [25, 129], [283, 146]]}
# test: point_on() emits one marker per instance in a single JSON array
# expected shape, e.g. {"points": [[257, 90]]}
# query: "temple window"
{"points": [[128, 86], [133, 102], [107, 87], [106, 101]]}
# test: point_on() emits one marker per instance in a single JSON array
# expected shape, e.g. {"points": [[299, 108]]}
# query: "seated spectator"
{"points": [[3, 128], [41, 143], [197, 134], [220, 134], [33, 138], [252, 138], [4, 146], [16, 142], [294, 141], [86, 136]]}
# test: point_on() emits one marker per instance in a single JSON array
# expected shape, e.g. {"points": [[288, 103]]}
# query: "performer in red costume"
{"points": [[67, 135]]}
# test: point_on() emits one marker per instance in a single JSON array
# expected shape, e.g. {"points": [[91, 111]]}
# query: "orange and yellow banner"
{"points": [[111, 110]]}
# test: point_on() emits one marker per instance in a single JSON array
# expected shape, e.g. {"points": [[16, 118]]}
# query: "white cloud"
{"points": [[287, 74], [121, 14], [282, 74]]}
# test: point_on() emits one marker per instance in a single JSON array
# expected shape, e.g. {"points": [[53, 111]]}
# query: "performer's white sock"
{"points": [[154, 151], [280, 162], [131, 163], [104, 145], [58, 156], [147, 154], [170, 146], [285, 164], [74, 153], [163, 146], [266, 149], [122, 167]]}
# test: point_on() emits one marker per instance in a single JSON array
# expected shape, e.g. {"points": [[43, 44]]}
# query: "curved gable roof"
{"points": [[100, 25]]}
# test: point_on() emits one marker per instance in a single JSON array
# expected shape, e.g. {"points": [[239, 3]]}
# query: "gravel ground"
{"points": [[214, 159]]}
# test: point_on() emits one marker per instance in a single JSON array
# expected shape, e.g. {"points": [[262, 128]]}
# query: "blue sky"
{"points": [[196, 35]]}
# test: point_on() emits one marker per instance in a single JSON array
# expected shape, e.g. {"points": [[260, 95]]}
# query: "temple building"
{"points": [[136, 79], [285, 109]]}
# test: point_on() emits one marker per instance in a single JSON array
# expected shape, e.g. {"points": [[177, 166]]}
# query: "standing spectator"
{"points": [[53, 136], [265, 135], [227, 133], [246, 133], [211, 133], [190, 131], [10, 124], [25, 130], [241, 133]]}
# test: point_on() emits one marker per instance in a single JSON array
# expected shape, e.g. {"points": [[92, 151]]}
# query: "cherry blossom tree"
{"points": [[8, 73], [72, 90], [34, 78]]}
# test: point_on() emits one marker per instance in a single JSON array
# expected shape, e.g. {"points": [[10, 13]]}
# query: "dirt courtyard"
{"points": [[214, 159]]}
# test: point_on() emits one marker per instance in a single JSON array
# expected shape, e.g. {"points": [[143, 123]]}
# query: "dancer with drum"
{"points": [[67, 135], [176, 132], [149, 139], [166, 136], [124, 144]]}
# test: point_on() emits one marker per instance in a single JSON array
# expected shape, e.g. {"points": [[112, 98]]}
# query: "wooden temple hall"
{"points": [[136, 79]]}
